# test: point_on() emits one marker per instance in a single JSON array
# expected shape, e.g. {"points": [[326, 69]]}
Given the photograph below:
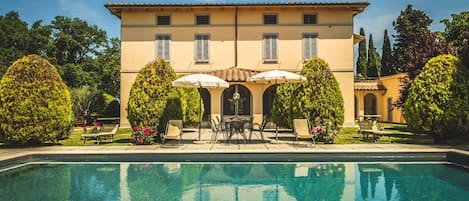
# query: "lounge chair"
{"points": [[173, 131], [302, 130], [366, 128], [101, 135]]}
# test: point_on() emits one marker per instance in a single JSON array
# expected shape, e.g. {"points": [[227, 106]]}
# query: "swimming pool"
{"points": [[235, 181]]}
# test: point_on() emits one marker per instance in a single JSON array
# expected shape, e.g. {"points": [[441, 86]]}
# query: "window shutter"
{"points": [[166, 47], [205, 48], [274, 47], [159, 47], [313, 46]]}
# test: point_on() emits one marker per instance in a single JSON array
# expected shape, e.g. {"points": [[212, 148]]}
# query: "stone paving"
{"points": [[285, 143]]}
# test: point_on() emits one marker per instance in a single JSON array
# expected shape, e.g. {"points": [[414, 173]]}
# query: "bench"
{"points": [[367, 128], [101, 135]]}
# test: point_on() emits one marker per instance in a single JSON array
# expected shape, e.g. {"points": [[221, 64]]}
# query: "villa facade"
{"points": [[236, 41]]}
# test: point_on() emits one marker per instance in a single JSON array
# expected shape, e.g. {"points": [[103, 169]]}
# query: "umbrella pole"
{"points": [[276, 128], [200, 111]]}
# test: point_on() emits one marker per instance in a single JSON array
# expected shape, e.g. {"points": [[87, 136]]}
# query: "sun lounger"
{"points": [[173, 131], [302, 130], [101, 135]]}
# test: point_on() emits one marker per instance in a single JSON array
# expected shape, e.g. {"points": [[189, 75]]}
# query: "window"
{"points": [[202, 19], [163, 20], [270, 47], [270, 19], [162, 46], [309, 46], [309, 19], [201, 49]]}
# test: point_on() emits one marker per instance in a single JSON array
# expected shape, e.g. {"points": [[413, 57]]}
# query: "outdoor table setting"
{"points": [[235, 126]]}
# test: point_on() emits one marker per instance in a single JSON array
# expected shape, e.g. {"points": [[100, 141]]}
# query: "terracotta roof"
{"points": [[371, 86], [116, 8], [234, 74]]}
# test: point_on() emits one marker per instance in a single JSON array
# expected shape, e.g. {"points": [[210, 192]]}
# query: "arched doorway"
{"points": [[237, 105], [370, 104], [268, 100], [205, 94]]}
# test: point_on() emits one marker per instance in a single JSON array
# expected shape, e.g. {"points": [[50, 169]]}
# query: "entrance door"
{"points": [[237, 100]]}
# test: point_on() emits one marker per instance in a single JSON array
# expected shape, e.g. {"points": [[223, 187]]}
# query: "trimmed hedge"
{"points": [[148, 94], [319, 96], [438, 102], [35, 105]]}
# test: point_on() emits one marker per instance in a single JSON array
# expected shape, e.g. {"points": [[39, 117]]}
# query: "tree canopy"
{"points": [[362, 61], [374, 63], [386, 56]]}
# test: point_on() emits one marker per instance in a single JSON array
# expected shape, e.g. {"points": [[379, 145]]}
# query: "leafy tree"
{"points": [[35, 104], [455, 27], [386, 57], [17, 40], [318, 96], [362, 61], [426, 45], [435, 105], [374, 64], [182, 103], [109, 58], [149, 92], [407, 24]]}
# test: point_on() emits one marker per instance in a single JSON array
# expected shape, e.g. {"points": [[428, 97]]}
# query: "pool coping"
{"points": [[335, 153]]}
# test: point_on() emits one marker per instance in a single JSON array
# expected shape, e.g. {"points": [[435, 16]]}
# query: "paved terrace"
{"points": [[286, 144]]}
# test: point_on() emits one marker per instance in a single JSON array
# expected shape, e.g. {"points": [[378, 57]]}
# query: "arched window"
{"points": [[370, 104], [268, 100], [233, 104]]}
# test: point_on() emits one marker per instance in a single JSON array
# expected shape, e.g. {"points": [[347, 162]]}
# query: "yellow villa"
{"points": [[236, 41]]}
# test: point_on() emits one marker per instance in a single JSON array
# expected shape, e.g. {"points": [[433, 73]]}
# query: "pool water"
{"points": [[235, 181]]}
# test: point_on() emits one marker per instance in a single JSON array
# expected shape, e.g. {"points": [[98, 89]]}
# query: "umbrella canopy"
{"points": [[276, 76], [200, 81]]}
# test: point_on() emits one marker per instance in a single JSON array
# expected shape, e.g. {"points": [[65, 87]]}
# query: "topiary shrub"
{"points": [[148, 94], [318, 96], [182, 103], [35, 105], [437, 103]]}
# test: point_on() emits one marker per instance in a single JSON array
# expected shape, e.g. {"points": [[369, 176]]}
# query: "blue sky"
{"points": [[376, 17]]}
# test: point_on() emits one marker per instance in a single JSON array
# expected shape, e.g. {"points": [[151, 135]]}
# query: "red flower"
{"points": [[147, 131], [140, 139]]}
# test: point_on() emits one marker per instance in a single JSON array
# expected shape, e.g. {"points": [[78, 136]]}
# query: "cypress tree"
{"points": [[373, 57], [386, 65], [362, 61]]}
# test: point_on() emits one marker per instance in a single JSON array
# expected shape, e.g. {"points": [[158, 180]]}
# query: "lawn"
{"points": [[397, 133]]}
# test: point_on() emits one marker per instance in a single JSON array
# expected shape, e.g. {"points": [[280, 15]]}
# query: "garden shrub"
{"points": [[148, 94], [35, 105], [438, 102], [182, 103], [318, 96]]}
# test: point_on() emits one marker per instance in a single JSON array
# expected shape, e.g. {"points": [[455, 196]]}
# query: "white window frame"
{"points": [[204, 48], [310, 45], [269, 52], [165, 43]]}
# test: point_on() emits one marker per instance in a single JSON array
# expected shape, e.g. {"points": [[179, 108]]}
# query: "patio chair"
{"points": [[216, 129], [173, 131], [101, 135], [367, 127], [260, 127], [302, 130]]}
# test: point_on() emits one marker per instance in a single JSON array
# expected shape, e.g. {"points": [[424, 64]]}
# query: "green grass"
{"points": [[397, 133], [121, 139]]}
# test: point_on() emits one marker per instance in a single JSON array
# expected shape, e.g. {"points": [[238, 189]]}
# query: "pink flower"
{"points": [[147, 132], [315, 129], [140, 139], [339, 126], [323, 129]]}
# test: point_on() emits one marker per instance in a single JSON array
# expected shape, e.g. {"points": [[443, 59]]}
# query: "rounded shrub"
{"points": [[148, 94], [35, 105], [437, 103], [318, 96]]}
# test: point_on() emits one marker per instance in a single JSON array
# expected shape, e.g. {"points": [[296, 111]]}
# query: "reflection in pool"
{"points": [[235, 181]]}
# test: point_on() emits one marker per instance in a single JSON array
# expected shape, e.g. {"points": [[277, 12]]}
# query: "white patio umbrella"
{"points": [[200, 81], [276, 77]]}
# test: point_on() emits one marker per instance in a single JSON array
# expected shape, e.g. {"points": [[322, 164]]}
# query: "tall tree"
{"points": [[426, 46], [362, 61], [374, 65], [109, 58], [386, 64], [17, 40], [457, 33], [407, 24]]}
